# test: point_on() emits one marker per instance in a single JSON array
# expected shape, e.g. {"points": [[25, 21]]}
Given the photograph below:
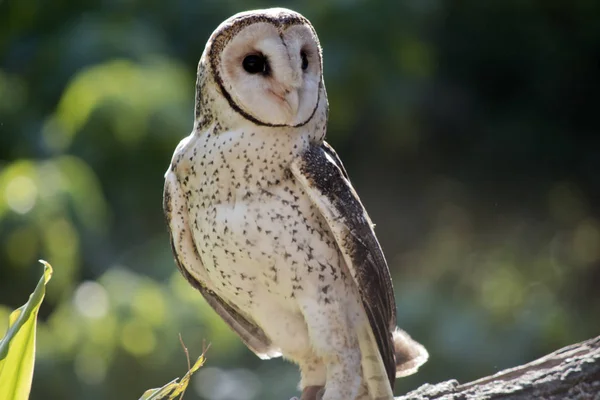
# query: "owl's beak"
{"points": [[289, 99]]}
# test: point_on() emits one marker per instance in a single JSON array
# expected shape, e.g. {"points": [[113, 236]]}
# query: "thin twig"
{"points": [[205, 347], [187, 356]]}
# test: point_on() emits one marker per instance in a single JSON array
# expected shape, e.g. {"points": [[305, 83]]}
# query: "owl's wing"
{"points": [[336, 159], [189, 263], [321, 173]]}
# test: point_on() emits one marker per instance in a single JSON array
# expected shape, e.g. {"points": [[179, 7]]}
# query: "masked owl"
{"points": [[265, 223]]}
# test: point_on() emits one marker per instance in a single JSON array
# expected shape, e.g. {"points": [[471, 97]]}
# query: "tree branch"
{"points": [[570, 373]]}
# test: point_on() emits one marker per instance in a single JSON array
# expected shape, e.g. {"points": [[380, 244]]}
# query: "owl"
{"points": [[265, 223]]}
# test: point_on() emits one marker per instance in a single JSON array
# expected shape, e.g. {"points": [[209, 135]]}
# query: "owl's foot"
{"points": [[320, 394], [311, 393]]}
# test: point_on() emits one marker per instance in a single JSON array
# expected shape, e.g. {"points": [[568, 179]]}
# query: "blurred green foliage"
{"points": [[470, 130]]}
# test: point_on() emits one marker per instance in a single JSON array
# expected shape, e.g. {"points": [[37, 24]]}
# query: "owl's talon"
{"points": [[312, 393], [320, 394]]}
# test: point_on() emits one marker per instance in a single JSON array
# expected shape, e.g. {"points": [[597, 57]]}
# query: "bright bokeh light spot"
{"points": [[90, 367], [120, 283], [52, 180], [149, 303], [61, 245], [502, 289], [103, 331], [138, 338], [219, 384], [64, 341], [21, 193], [91, 300], [62, 238]]}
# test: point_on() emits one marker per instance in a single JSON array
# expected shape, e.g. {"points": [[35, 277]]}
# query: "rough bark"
{"points": [[570, 373]]}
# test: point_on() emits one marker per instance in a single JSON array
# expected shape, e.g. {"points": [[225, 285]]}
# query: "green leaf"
{"points": [[17, 347], [174, 388]]}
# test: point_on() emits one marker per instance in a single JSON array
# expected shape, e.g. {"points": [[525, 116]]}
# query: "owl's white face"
{"points": [[273, 74]]}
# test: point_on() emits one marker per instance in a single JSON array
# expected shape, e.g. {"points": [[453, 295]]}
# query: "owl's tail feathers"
{"points": [[410, 355], [374, 371]]}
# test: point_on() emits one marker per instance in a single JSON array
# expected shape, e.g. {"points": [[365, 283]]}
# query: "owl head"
{"points": [[262, 66]]}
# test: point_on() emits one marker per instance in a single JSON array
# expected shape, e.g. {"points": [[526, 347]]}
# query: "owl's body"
{"points": [[264, 245], [266, 225]]}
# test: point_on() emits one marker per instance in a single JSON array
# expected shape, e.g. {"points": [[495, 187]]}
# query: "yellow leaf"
{"points": [[17, 347], [160, 393], [174, 388]]}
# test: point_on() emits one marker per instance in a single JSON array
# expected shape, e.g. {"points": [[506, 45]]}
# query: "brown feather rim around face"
{"points": [[236, 25]]}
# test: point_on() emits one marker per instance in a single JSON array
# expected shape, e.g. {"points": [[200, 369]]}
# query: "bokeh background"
{"points": [[469, 128]]}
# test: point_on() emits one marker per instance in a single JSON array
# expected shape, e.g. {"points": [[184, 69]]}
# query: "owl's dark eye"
{"points": [[256, 63], [304, 60]]}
